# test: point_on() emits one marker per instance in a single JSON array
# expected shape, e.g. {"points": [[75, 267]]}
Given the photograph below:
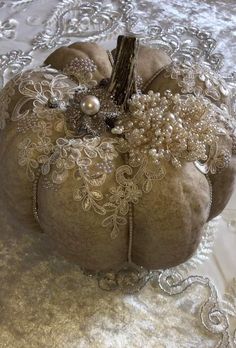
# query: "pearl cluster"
{"points": [[105, 167], [226, 159], [173, 128], [99, 169], [92, 111], [26, 123], [82, 70]]}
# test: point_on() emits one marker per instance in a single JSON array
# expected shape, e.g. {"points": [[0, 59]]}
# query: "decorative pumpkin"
{"points": [[123, 161]]}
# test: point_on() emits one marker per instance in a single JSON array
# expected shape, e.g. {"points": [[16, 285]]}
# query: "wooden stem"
{"points": [[123, 79]]}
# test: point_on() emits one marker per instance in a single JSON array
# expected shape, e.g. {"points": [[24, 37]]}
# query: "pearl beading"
{"points": [[171, 128], [81, 70], [98, 123]]}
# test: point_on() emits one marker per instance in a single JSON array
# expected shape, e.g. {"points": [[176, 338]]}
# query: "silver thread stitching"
{"points": [[35, 197], [131, 229], [211, 194]]}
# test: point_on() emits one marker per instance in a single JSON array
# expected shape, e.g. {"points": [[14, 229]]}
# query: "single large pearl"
{"points": [[90, 105]]}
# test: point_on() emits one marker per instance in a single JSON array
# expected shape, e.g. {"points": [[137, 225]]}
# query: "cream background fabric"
{"points": [[47, 302]]}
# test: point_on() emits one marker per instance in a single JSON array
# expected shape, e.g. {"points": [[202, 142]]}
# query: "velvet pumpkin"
{"points": [[100, 210]]}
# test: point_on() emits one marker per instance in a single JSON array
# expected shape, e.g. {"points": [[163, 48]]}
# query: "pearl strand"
{"points": [[172, 127]]}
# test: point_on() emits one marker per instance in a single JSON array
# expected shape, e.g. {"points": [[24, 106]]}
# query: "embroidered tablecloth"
{"points": [[48, 302]]}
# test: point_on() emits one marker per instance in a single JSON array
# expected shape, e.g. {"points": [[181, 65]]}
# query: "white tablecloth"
{"points": [[47, 302]]}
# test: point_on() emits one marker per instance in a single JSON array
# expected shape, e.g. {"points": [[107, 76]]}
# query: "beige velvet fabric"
{"points": [[168, 221], [149, 62], [222, 186], [79, 233], [64, 55], [15, 190]]}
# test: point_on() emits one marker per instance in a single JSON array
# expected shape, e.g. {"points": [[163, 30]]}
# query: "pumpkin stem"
{"points": [[123, 78]]}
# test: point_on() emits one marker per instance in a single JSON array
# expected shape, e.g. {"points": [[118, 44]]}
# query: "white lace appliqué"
{"points": [[188, 78]]}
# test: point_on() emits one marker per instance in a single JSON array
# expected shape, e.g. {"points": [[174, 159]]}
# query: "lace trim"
{"points": [[188, 77], [76, 157], [202, 81], [51, 85]]}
